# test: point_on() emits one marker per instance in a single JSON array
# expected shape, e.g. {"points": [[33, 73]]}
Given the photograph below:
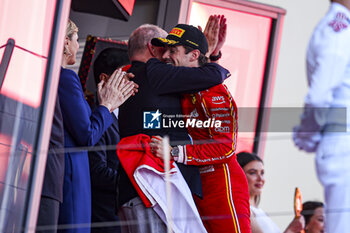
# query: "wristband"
{"points": [[215, 58]]}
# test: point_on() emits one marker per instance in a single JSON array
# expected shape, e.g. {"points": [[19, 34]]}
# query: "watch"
{"points": [[175, 152], [215, 58]]}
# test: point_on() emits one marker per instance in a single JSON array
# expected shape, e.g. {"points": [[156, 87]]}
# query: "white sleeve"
{"points": [[327, 62]]}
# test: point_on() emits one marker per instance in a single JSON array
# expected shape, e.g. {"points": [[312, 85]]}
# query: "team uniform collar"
{"points": [[339, 7]]}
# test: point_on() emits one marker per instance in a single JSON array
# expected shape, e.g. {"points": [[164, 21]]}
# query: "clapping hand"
{"points": [[116, 90], [215, 31], [221, 36], [211, 32]]}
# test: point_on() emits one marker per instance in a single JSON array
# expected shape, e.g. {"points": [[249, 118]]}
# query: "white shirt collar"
{"points": [[116, 112]]}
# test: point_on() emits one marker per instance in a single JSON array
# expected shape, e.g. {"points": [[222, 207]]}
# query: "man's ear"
{"points": [[194, 55], [151, 49], [103, 77]]}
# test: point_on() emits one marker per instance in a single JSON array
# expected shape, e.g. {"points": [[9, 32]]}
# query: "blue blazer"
{"points": [[82, 128]]}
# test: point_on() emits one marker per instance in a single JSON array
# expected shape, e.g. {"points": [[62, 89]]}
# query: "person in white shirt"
{"points": [[253, 168], [324, 128]]}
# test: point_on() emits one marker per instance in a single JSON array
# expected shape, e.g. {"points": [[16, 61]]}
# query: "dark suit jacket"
{"points": [[53, 179], [159, 88], [103, 170], [82, 128]]}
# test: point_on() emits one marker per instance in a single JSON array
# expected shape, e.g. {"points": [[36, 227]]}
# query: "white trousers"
{"points": [[333, 170]]}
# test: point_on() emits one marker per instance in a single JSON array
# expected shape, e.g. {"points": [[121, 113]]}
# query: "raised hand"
{"points": [[211, 32], [221, 35]]}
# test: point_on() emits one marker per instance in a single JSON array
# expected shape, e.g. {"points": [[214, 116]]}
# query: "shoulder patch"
{"points": [[339, 22]]}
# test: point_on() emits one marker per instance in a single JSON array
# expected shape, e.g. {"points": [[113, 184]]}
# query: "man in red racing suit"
{"points": [[225, 204], [211, 120]]}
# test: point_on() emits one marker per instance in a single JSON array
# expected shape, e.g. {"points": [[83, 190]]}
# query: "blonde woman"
{"points": [[83, 128]]}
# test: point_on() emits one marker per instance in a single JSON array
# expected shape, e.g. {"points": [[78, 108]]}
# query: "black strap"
{"points": [[215, 58], [4, 63]]}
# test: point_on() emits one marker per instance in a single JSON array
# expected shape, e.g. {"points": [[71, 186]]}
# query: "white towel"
{"points": [[184, 213]]}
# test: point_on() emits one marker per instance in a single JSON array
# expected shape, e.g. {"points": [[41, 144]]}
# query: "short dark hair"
{"points": [[309, 208], [243, 158], [202, 59], [108, 61]]}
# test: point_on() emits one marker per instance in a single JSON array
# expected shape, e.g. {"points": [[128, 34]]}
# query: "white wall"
{"points": [[285, 166]]}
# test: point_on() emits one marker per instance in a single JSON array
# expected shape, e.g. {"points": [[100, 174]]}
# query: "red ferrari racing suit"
{"points": [[225, 203]]}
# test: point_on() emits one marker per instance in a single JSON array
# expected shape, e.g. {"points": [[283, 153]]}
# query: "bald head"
{"points": [[141, 37]]}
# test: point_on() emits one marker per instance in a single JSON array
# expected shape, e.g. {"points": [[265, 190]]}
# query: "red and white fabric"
{"points": [[146, 172]]}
